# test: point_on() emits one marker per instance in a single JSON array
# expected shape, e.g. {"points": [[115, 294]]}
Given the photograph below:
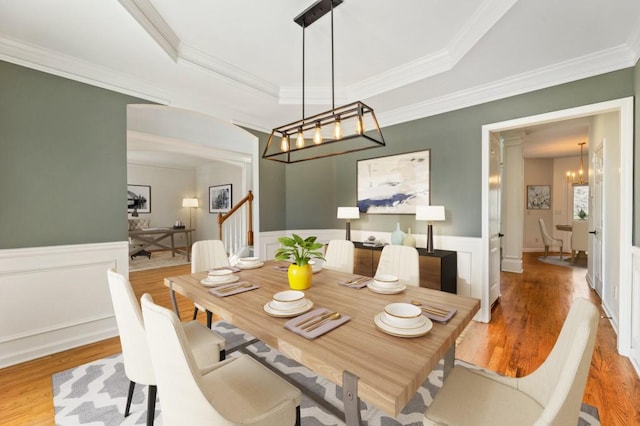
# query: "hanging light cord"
{"points": [[333, 89], [303, 28]]}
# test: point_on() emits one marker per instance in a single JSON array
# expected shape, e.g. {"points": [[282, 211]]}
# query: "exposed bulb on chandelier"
{"points": [[300, 139], [317, 135], [337, 131], [284, 144]]}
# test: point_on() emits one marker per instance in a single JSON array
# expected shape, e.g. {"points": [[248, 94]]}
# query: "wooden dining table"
{"points": [[382, 369]]}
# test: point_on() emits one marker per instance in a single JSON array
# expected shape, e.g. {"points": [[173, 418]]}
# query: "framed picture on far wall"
{"points": [[220, 198], [139, 198], [538, 197]]}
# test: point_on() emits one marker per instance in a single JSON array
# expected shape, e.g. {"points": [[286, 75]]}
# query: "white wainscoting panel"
{"points": [[634, 353], [56, 298], [469, 258]]}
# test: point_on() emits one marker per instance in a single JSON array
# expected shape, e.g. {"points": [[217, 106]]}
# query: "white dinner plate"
{"points": [[232, 279], [285, 314], [402, 332], [419, 324], [250, 266], [386, 290]]}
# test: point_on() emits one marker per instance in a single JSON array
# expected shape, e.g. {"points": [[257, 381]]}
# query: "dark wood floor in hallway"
{"points": [[524, 327]]}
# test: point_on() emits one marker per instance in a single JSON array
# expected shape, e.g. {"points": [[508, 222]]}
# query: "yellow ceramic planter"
{"points": [[300, 276]]}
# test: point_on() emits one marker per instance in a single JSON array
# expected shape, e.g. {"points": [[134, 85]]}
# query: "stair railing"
{"points": [[238, 225]]}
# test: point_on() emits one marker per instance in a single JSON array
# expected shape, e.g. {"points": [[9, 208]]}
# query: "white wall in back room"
{"points": [[168, 187], [537, 171]]}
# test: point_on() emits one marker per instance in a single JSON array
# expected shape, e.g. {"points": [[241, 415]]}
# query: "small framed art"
{"points": [[139, 198], [538, 197], [220, 198]]}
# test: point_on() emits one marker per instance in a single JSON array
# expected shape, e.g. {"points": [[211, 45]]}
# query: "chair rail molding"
{"points": [[64, 290]]}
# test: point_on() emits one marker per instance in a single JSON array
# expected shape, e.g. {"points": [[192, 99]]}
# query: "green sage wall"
{"points": [[314, 189], [63, 168]]}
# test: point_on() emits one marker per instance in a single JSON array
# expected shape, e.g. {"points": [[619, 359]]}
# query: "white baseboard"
{"points": [[56, 298]]}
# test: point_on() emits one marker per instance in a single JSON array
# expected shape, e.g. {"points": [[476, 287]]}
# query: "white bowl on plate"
{"points": [[402, 315], [219, 275], [248, 261], [385, 281], [288, 300]]}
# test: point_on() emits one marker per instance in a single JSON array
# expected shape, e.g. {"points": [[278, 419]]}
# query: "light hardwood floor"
{"points": [[524, 326]]}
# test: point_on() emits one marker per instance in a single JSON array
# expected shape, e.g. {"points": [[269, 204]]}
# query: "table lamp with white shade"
{"points": [[192, 203], [430, 214], [348, 213]]}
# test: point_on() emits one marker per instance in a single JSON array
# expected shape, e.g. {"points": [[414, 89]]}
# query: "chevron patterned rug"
{"points": [[95, 393]]}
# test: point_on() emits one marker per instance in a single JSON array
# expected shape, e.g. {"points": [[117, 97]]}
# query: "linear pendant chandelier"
{"points": [[349, 128]]}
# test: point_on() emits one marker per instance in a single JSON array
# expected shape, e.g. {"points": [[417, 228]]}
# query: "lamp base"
{"points": [[429, 238], [348, 233]]}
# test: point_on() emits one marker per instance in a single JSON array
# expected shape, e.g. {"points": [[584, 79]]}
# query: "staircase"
{"points": [[235, 228]]}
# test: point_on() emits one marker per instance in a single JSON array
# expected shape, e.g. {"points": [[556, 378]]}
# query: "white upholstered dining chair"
{"points": [[207, 254], [238, 391], [551, 395], [548, 240], [579, 238], [339, 256], [401, 261], [206, 346]]}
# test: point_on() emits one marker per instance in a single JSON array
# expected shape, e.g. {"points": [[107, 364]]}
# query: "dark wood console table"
{"points": [[438, 270]]}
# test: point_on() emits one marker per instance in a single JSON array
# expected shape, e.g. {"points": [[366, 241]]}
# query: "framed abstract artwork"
{"points": [[538, 197], [220, 198], [395, 184], [139, 198]]}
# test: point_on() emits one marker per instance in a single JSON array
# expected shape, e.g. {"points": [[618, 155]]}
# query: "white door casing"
{"points": [[624, 160], [495, 222]]}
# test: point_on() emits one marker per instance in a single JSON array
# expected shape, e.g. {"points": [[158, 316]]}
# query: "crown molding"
{"points": [[634, 41], [482, 20], [55, 63], [586, 66], [150, 20], [485, 17], [226, 71]]}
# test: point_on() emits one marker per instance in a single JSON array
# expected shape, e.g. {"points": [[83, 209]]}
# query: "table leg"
{"points": [[174, 302], [350, 399], [449, 359], [173, 247]]}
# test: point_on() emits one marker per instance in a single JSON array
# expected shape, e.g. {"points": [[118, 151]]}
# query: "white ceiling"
{"points": [[241, 60]]}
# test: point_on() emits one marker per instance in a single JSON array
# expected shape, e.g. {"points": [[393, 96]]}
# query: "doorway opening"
{"points": [[617, 218]]}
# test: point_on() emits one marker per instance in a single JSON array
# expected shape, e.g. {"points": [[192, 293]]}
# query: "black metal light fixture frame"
{"points": [[357, 112]]}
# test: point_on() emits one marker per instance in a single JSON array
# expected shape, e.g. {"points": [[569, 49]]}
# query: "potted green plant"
{"points": [[582, 214], [302, 251]]}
